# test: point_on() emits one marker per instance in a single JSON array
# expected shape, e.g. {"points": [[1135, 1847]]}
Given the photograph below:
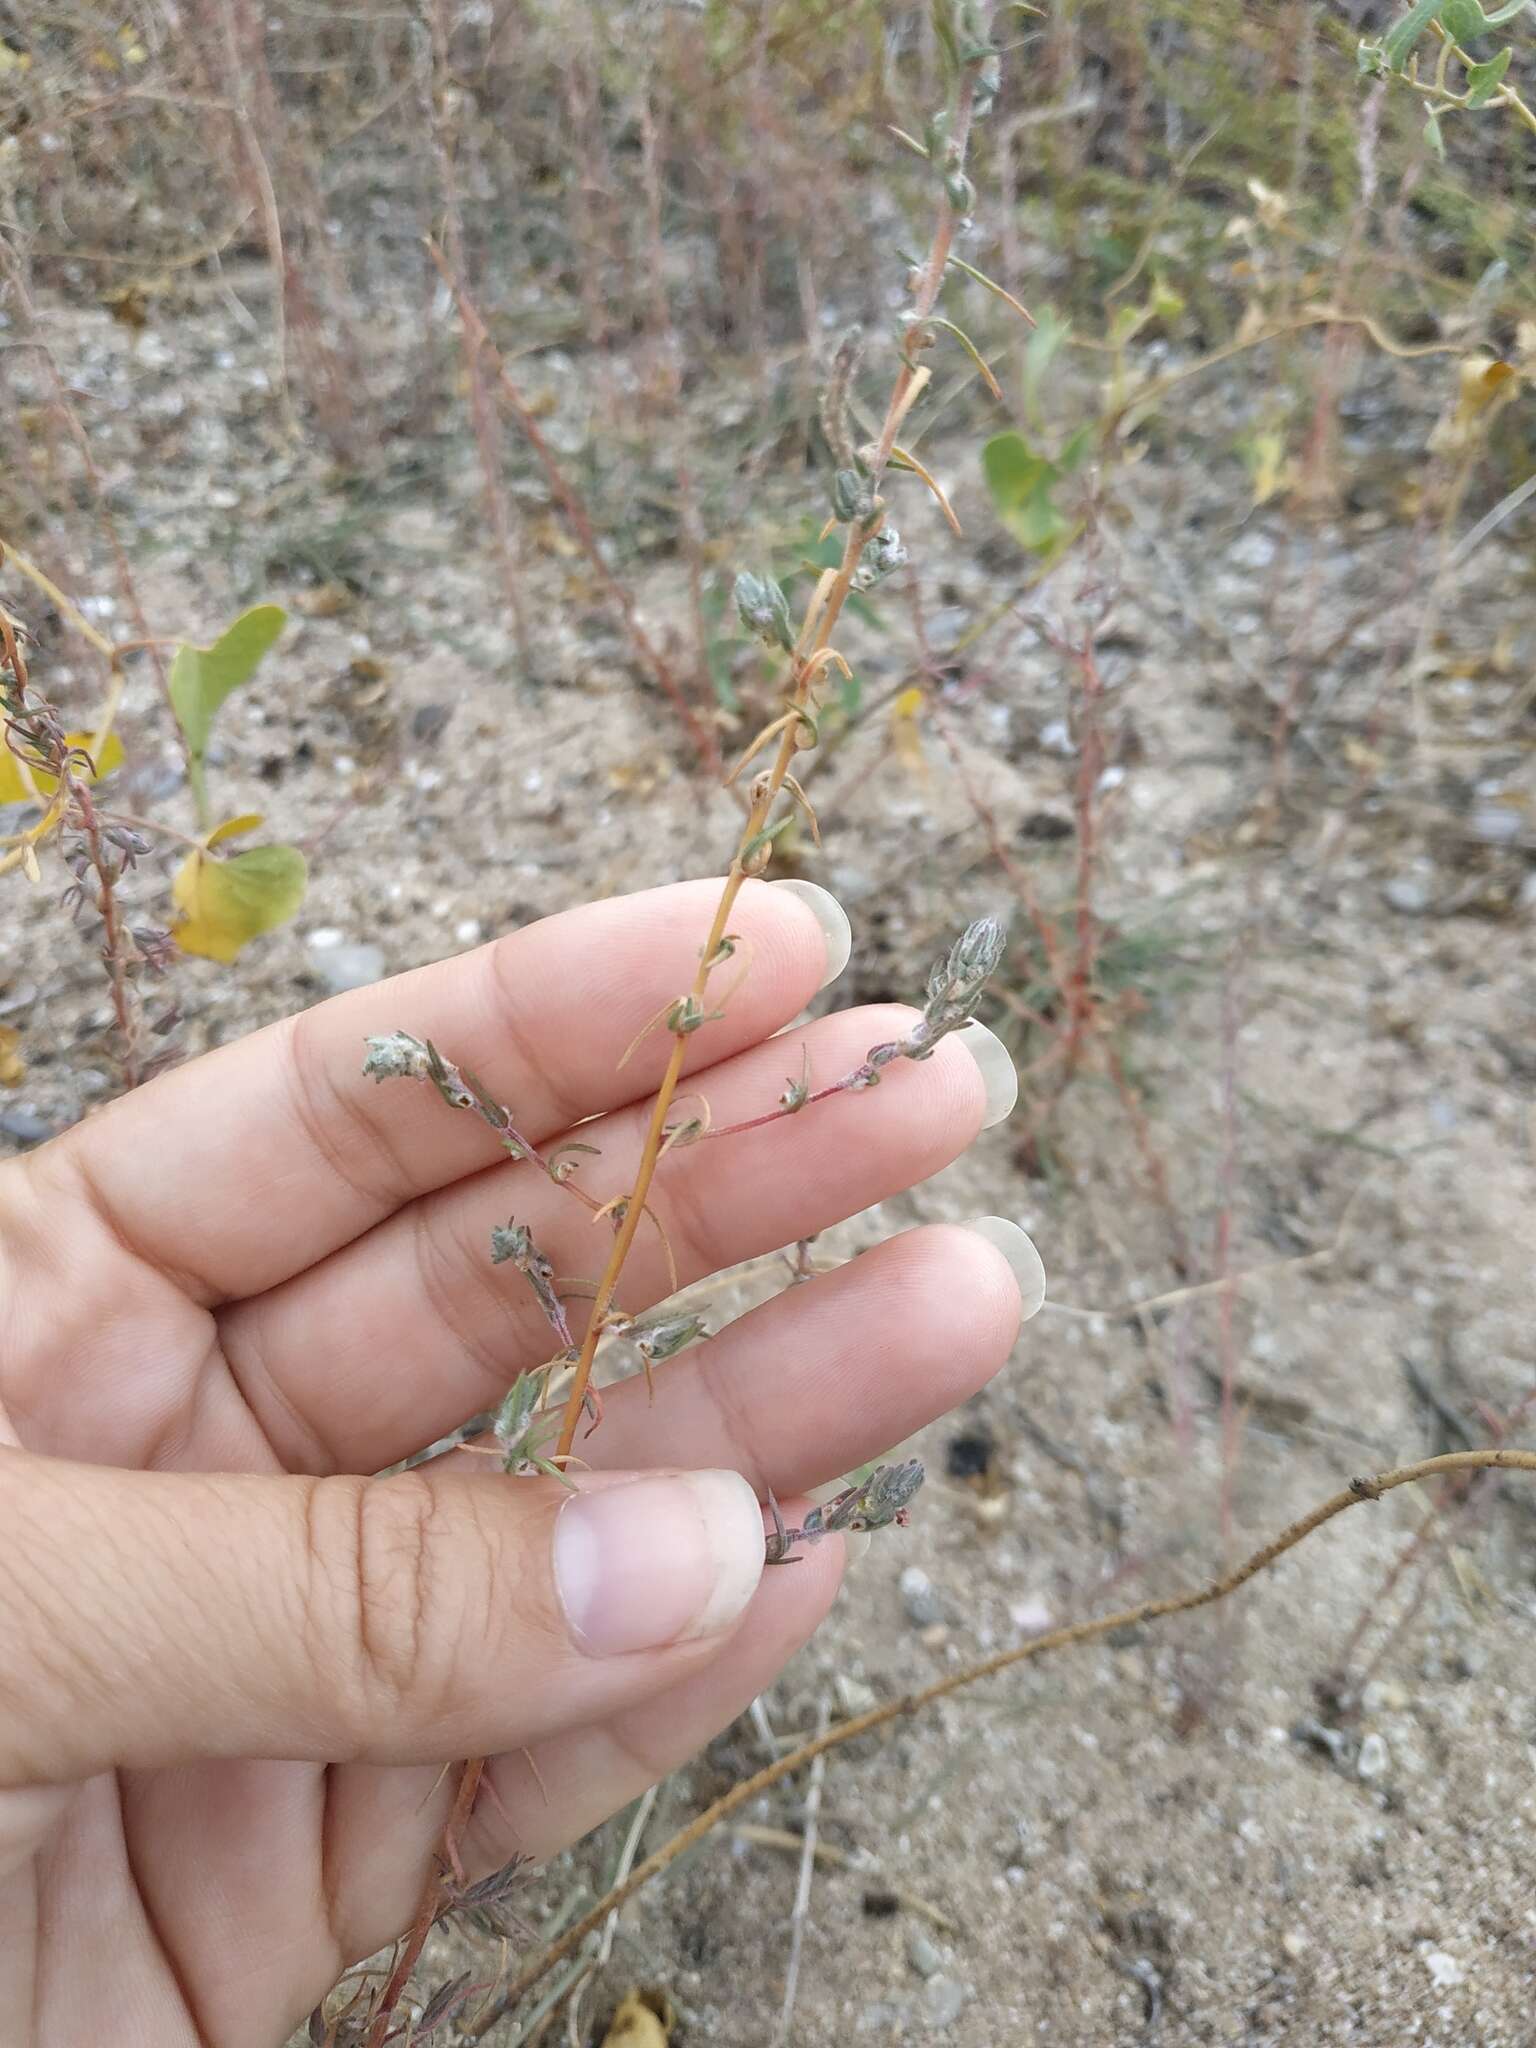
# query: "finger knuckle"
{"points": [[377, 1546]]}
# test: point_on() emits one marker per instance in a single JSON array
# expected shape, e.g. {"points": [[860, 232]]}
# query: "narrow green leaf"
{"points": [[720, 655], [1401, 37], [1046, 341], [965, 341], [1077, 450]]}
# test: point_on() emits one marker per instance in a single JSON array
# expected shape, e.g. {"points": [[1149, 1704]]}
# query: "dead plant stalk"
{"points": [[749, 1789], [478, 343]]}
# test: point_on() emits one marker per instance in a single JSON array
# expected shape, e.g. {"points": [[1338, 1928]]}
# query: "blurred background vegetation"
{"points": [[1273, 258], [689, 200]]}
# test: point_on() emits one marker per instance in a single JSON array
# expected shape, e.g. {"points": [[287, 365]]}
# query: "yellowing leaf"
{"points": [[234, 828], [1496, 374], [1267, 466], [643, 2020], [13, 787], [13, 1068], [224, 904], [1482, 382], [906, 737]]}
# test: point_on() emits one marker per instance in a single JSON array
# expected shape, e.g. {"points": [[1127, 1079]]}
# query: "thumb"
{"points": [[153, 1618]]}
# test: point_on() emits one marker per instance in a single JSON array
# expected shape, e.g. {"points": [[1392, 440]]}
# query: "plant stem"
{"points": [[816, 636], [427, 1911], [822, 615], [1506, 96], [749, 1789], [118, 950]]}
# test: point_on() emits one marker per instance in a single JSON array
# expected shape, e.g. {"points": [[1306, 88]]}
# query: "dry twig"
{"points": [[748, 1789]]}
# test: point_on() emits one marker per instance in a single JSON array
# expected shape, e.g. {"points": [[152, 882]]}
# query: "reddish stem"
{"points": [[431, 1905]]}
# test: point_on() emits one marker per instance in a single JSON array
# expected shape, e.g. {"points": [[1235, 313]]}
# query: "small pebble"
{"points": [[1384, 1696], [853, 1695], [1375, 1759], [1253, 550], [924, 1955], [344, 967], [468, 931], [944, 2000], [1406, 894], [1495, 824], [1445, 1973], [883, 2017], [1031, 1617], [919, 1598], [25, 1125], [1331, 1741]]}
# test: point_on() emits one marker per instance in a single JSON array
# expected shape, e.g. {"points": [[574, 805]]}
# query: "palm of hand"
{"points": [[261, 1265]]}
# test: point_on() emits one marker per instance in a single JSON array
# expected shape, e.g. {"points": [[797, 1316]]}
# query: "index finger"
{"points": [[255, 1161]]}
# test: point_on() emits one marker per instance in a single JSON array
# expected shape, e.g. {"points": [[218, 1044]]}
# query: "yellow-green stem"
{"points": [[803, 672]]}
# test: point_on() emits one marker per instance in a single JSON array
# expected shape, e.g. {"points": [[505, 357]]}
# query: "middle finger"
{"points": [[421, 1330]]}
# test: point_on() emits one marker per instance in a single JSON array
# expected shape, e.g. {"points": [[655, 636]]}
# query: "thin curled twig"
{"points": [[747, 1789]]}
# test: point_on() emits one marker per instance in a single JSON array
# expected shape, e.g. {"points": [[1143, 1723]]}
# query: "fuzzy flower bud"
{"points": [[989, 79], [512, 1241], [972, 961], [853, 496], [664, 1336], [396, 1056], [883, 553], [764, 610], [881, 1499]]}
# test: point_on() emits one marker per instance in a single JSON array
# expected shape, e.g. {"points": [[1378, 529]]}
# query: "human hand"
{"points": [[231, 1669]]}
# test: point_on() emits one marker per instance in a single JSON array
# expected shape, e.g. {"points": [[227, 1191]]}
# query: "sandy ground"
{"points": [[1201, 1832]]}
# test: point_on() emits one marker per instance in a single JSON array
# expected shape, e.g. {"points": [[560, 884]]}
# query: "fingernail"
{"points": [[855, 1547], [999, 1074], [832, 918], [1018, 1248], [660, 1560]]}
